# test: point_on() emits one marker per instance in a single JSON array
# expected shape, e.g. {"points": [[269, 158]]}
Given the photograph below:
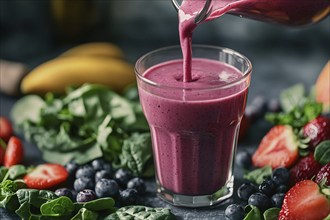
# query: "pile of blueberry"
{"points": [[98, 179], [270, 193]]}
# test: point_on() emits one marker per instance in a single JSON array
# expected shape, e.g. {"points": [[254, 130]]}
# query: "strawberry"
{"points": [[46, 176], [14, 152], [6, 130], [324, 173], [279, 148], [317, 130], [304, 169], [304, 201]]}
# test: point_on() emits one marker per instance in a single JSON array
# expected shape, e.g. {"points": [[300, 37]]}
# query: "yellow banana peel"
{"points": [[57, 74], [95, 49]]}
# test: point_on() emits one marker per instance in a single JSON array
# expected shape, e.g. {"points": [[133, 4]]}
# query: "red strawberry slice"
{"points": [[14, 152], [6, 130], [279, 148], [317, 130], [305, 201], [304, 169], [324, 173], [46, 176]]}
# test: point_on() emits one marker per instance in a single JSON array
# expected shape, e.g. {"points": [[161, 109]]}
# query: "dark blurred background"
{"points": [[33, 31]]}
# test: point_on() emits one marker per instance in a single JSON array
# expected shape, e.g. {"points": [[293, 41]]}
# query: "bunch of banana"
{"points": [[100, 63]]}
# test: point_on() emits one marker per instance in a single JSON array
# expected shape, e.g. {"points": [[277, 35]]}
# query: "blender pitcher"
{"points": [[286, 12]]}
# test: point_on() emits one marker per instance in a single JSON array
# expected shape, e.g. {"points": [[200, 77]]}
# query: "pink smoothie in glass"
{"points": [[194, 129]]}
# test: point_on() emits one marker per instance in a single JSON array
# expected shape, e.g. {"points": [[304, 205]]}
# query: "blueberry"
{"points": [[64, 192], [71, 167], [122, 176], [243, 159], [260, 200], [281, 176], [273, 105], [256, 109], [86, 195], [267, 187], [277, 199], [282, 189], [128, 197], [108, 167], [83, 183], [106, 188], [234, 212], [138, 184], [86, 171], [97, 164], [102, 174], [246, 190]]}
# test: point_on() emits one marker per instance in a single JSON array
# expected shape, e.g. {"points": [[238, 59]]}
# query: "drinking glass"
{"points": [[194, 129]]}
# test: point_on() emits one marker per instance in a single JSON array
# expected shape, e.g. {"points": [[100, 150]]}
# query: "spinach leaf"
{"points": [[35, 197], [8, 198], [291, 97], [141, 212], [81, 156], [322, 152], [3, 173], [258, 175], [24, 212], [62, 206], [253, 213], [99, 204], [271, 214], [85, 214], [33, 103], [16, 171], [136, 154]]}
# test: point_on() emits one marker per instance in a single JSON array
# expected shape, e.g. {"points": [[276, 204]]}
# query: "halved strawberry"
{"points": [[6, 130], [46, 176], [279, 148], [324, 173], [14, 152], [317, 131], [304, 201], [304, 169]]}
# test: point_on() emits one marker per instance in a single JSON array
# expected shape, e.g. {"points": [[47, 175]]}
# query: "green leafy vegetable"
{"points": [[322, 152], [258, 175], [16, 171], [297, 108], [8, 198], [136, 155], [292, 97], [99, 204], [253, 213], [85, 214], [142, 213], [62, 206], [3, 173], [271, 214], [298, 116], [88, 123]]}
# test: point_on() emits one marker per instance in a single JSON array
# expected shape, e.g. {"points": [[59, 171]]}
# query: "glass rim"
{"points": [[245, 75]]}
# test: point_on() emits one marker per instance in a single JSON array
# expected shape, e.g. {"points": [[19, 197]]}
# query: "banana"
{"points": [[57, 74], [95, 49]]}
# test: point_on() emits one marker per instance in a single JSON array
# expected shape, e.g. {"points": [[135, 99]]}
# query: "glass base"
{"points": [[196, 201]]}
